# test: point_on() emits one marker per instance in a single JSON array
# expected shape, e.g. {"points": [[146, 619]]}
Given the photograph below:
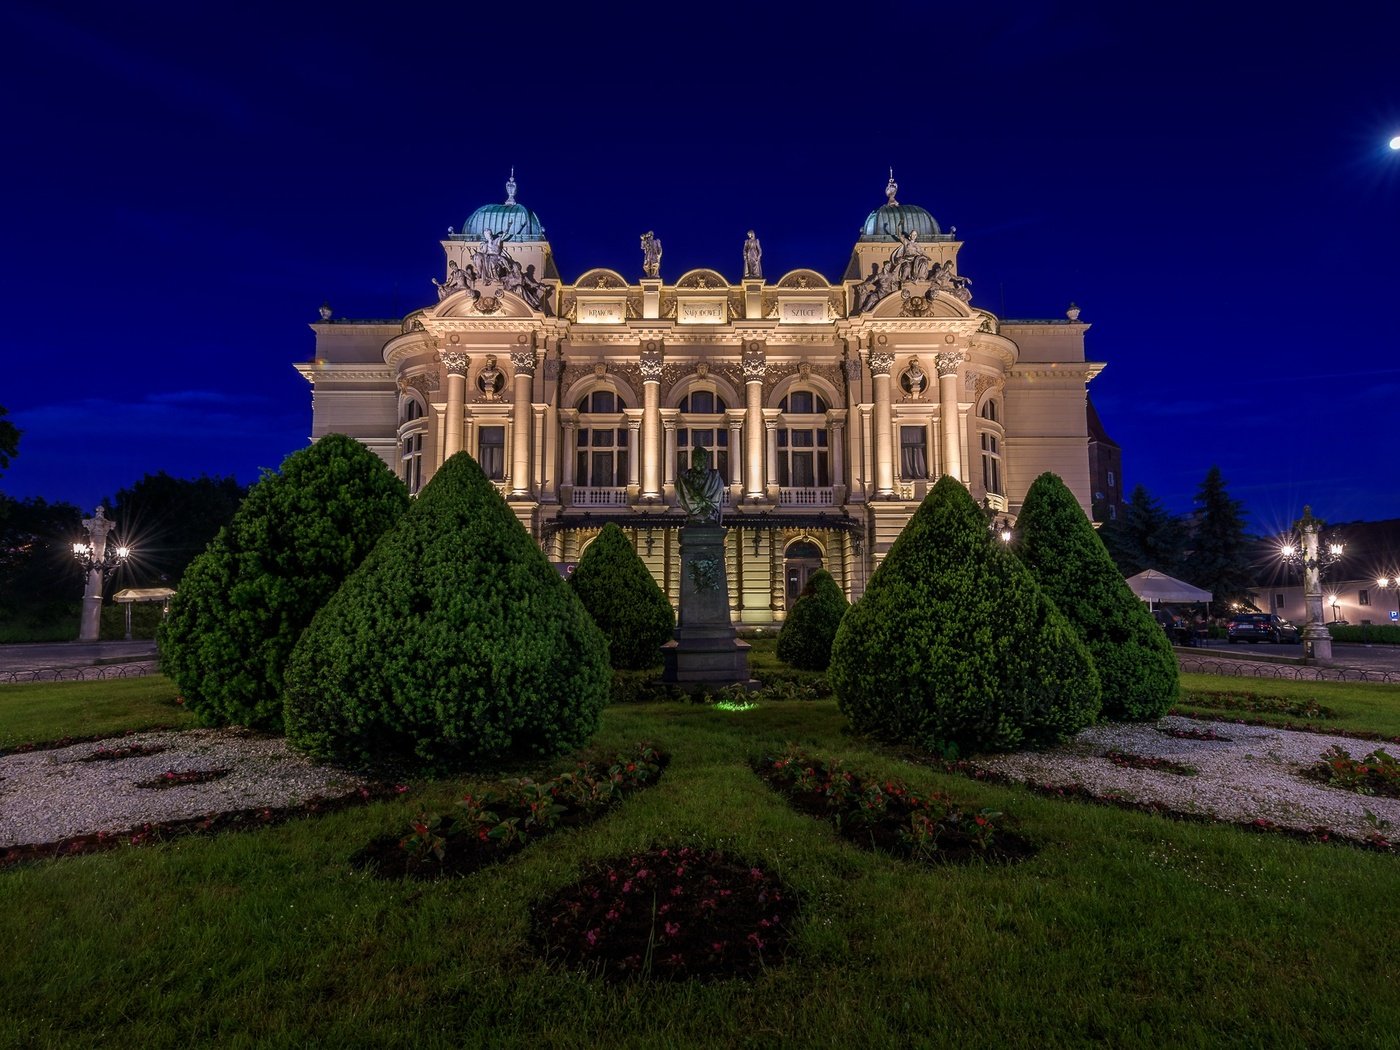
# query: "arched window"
{"points": [[804, 459], [602, 441], [989, 412], [702, 425], [412, 427], [991, 463]]}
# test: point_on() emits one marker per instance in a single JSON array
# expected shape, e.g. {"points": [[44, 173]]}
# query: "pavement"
{"points": [[72, 660]]}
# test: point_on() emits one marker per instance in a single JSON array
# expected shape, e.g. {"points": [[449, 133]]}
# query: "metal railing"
{"points": [[1198, 664], [139, 669]]}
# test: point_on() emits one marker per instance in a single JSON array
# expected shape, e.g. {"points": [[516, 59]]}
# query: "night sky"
{"points": [[186, 184]]}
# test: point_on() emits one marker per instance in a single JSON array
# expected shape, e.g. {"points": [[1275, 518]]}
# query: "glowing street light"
{"points": [[98, 560], [1304, 548], [1391, 583], [1395, 142]]}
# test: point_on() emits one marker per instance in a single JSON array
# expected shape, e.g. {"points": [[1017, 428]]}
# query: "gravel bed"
{"points": [[46, 796], [1254, 775]]}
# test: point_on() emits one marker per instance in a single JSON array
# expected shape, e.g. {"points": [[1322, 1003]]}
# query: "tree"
{"points": [[167, 521], [621, 595], [243, 603], [810, 629], [1220, 557], [40, 582], [1137, 668], [953, 646], [1146, 537], [454, 644], [9, 439]]}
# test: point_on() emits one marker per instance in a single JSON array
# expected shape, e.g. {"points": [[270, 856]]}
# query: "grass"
{"points": [[1125, 928], [1357, 706], [44, 711]]}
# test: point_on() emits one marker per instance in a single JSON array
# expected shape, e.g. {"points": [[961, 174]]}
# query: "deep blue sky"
{"points": [[186, 184]]}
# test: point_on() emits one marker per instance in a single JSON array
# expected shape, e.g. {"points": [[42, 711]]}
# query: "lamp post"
{"points": [[1307, 551], [97, 560], [1391, 583]]}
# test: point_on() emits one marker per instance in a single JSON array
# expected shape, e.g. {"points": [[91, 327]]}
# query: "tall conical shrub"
{"points": [[242, 604], [954, 647], [454, 643], [621, 595], [1136, 665], [810, 629]]}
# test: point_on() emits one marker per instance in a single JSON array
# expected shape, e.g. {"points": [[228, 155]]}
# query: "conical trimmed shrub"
{"points": [[953, 647], [621, 595], [242, 604], [455, 643], [1136, 665], [807, 634]]}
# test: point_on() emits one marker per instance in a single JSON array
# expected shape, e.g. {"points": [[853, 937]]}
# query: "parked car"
{"points": [[1261, 627]]}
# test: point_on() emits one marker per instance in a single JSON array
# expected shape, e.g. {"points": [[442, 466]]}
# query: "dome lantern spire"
{"points": [[891, 189], [510, 186]]}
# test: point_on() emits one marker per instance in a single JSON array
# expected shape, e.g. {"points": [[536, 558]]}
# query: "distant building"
{"points": [[829, 408], [1105, 469], [1362, 587]]}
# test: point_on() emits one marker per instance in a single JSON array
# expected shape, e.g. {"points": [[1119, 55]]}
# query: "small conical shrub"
{"points": [[810, 628], [953, 647], [242, 604], [455, 643], [1136, 665], [621, 595]]}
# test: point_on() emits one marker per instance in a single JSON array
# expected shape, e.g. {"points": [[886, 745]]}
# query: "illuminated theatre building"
{"points": [[830, 408]]}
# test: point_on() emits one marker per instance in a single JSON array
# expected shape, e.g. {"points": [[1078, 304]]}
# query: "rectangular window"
{"points": [[913, 452], [492, 452], [1110, 479], [1278, 601], [1113, 512], [1364, 598]]}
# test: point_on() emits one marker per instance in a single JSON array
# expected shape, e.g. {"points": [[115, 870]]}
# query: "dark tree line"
{"points": [[1208, 547]]}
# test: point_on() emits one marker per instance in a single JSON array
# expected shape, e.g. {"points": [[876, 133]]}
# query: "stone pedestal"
{"points": [[706, 649]]}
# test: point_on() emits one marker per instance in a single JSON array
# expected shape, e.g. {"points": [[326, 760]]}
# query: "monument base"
{"points": [[706, 649]]}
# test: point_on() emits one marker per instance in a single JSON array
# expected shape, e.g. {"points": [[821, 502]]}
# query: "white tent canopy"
{"points": [[1153, 586]]}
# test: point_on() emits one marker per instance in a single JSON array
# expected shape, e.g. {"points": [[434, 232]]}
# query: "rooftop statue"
{"points": [[908, 261], [753, 257], [651, 254], [458, 279], [701, 490]]}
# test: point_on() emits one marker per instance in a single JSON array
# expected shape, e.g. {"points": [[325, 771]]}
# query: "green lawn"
{"points": [[1126, 929], [1356, 706], [41, 711]]}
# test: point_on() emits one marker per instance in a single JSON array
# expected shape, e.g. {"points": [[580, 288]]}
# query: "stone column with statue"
{"points": [[706, 650]]}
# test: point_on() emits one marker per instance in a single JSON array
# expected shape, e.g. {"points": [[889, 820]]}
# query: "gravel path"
{"points": [[1256, 774], [46, 796]]}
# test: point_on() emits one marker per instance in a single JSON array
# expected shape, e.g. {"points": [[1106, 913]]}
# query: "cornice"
{"points": [[342, 373]]}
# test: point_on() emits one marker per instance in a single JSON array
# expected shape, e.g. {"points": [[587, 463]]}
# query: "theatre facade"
{"points": [[829, 407]]}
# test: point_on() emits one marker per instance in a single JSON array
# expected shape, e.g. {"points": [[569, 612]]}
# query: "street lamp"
{"points": [[1391, 583], [1332, 601], [98, 559], [1306, 550]]}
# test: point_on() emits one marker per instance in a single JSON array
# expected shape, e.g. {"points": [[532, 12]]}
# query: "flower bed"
{"points": [[1245, 700], [496, 823], [668, 914], [1129, 760], [180, 777], [1376, 774], [116, 754], [889, 816]]}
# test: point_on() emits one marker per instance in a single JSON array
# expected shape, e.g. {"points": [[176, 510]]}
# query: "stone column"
{"points": [[455, 362], [668, 472], [651, 422], [1317, 640], [881, 363], [634, 431], [97, 526], [770, 457], [736, 453], [755, 366], [947, 365], [836, 422], [522, 362], [570, 442]]}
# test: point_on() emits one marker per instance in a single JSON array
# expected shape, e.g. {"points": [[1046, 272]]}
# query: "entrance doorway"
{"points": [[799, 562]]}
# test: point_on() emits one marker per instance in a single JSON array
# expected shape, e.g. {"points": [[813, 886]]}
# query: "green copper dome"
{"points": [[885, 222], [519, 221]]}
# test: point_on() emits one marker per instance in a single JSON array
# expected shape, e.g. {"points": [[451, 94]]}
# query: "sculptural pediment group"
{"points": [[493, 269]]}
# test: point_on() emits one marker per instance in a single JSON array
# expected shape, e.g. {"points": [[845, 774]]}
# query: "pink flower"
{"points": [[591, 937], [755, 940], [672, 928]]}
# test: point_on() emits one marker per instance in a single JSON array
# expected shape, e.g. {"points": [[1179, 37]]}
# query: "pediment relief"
{"points": [[800, 279], [600, 278], [469, 304], [708, 280], [916, 301]]}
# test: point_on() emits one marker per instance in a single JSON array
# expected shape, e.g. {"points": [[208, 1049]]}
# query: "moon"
{"points": [[1395, 142]]}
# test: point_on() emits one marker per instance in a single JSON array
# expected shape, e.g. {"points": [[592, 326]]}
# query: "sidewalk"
{"points": [[35, 661]]}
